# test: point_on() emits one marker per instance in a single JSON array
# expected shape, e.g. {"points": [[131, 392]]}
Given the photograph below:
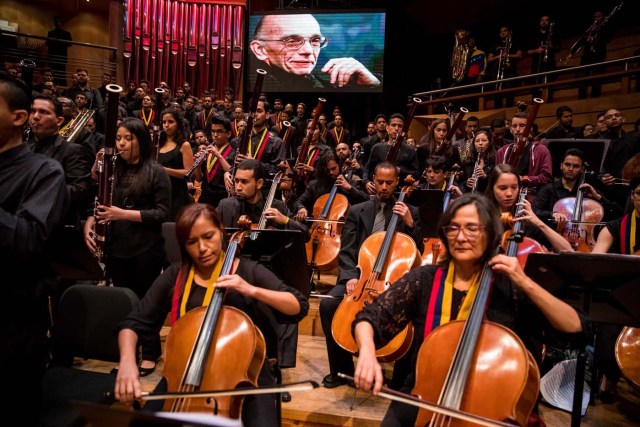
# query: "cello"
{"points": [[214, 348], [476, 366], [383, 258], [514, 243], [324, 245], [585, 215], [628, 355]]}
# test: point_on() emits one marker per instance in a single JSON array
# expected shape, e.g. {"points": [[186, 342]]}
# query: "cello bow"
{"points": [[409, 399]]}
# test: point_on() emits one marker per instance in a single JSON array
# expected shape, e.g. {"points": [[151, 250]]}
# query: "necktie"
{"points": [[378, 223]]}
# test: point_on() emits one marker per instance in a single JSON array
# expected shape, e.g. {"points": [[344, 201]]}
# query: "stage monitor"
{"points": [[339, 37]]}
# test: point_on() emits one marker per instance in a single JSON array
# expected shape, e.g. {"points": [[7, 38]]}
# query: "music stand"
{"points": [[604, 285], [98, 415], [429, 204], [595, 151], [283, 252]]}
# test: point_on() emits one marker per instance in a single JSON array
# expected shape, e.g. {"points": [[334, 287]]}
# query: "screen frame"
{"points": [[331, 50]]}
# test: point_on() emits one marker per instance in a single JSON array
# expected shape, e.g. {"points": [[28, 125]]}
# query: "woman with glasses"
{"points": [[432, 295], [288, 46]]}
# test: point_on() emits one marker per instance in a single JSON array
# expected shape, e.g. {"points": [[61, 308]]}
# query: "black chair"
{"points": [[84, 327]]}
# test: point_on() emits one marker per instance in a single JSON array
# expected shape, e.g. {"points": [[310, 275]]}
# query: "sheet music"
{"points": [[557, 386]]}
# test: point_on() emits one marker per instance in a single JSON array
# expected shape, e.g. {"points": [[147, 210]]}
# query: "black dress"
{"points": [[179, 191]]}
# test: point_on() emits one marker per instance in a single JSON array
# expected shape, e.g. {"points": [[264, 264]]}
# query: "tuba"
{"points": [[460, 56]]}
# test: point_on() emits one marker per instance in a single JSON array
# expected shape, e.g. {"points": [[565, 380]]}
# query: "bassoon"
{"points": [[306, 142], [106, 168], [513, 156], [157, 120], [243, 145], [392, 154], [441, 148]]}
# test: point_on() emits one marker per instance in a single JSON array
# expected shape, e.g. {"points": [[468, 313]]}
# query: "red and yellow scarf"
{"points": [[441, 299]]}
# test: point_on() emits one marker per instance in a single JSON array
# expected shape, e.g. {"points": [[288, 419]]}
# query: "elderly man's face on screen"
{"points": [[290, 42]]}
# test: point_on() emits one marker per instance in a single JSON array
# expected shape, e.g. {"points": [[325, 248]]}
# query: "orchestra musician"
{"points": [[433, 144], [264, 145], [503, 189], [219, 160], [328, 175], [359, 226], [249, 200], [141, 201], [620, 236], [471, 231], [571, 168], [251, 288], [349, 160], [534, 165], [406, 161], [478, 160]]}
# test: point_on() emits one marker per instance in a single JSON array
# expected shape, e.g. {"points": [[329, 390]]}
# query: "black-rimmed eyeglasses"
{"points": [[296, 42]]}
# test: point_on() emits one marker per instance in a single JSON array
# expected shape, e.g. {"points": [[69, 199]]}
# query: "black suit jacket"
{"points": [[358, 227], [231, 208]]}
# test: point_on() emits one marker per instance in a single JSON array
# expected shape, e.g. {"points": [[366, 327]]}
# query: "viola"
{"points": [[514, 243], [586, 214], [324, 245], [384, 257], [477, 367], [213, 348]]}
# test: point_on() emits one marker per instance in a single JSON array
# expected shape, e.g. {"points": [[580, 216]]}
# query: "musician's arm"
{"points": [[604, 242]]}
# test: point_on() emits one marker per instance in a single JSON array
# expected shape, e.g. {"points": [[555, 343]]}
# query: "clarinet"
{"points": [[243, 146], [106, 167], [157, 112]]}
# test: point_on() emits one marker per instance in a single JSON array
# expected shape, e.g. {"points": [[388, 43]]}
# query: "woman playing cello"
{"points": [[430, 296], [180, 289]]}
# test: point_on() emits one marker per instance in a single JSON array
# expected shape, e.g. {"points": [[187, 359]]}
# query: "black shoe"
{"points": [[143, 372], [285, 396], [333, 381]]}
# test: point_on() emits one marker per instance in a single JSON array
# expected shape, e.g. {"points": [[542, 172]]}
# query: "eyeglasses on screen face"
{"points": [[296, 42]]}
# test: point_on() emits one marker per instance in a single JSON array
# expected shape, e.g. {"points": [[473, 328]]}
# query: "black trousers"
{"points": [[340, 360]]}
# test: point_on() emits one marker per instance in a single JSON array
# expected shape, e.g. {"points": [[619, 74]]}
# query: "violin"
{"points": [[383, 258], [324, 245], [214, 348], [585, 215], [434, 249], [514, 243], [477, 367]]}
